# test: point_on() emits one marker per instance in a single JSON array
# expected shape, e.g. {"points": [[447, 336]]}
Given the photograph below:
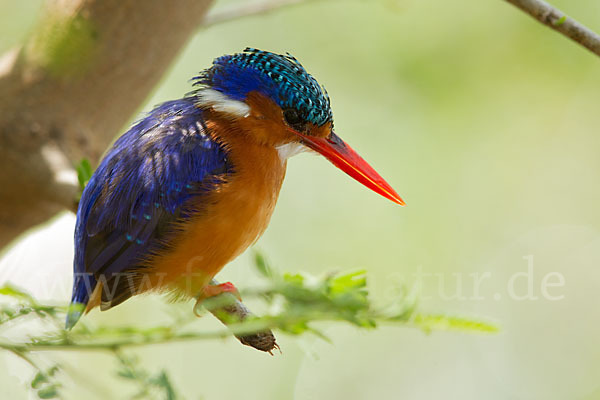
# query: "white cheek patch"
{"points": [[221, 103], [290, 149]]}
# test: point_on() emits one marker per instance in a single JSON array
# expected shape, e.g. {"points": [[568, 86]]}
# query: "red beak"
{"points": [[345, 158]]}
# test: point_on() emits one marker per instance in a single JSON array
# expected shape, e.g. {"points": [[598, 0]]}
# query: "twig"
{"points": [[231, 309], [109, 346], [421, 321], [557, 20], [22, 355], [230, 13], [343, 298]]}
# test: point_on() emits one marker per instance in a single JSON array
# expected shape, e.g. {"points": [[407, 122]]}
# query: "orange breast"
{"points": [[237, 214]]}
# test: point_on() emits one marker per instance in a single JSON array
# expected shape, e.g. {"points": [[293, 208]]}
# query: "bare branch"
{"points": [[558, 21], [237, 11], [231, 309]]}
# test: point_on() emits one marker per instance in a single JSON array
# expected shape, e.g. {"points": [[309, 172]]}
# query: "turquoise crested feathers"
{"points": [[280, 77]]}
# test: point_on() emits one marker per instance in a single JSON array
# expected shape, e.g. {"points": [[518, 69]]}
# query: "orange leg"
{"points": [[212, 290], [215, 290]]}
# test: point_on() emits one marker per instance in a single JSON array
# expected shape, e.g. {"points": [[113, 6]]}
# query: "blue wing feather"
{"points": [[143, 185]]}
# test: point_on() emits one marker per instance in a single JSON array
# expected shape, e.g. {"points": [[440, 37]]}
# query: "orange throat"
{"points": [[237, 214]]}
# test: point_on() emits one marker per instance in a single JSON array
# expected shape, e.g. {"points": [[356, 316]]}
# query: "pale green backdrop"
{"points": [[486, 123]]}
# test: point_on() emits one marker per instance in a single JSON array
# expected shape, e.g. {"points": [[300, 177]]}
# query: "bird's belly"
{"points": [[238, 214]]}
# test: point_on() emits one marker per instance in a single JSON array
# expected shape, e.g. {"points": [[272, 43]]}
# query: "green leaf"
{"points": [[261, 265], [126, 374], [295, 328], [348, 282], [49, 392], [448, 323], [39, 379], [163, 382], [560, 21], [295, 279], [13, 291], [84, 172]]}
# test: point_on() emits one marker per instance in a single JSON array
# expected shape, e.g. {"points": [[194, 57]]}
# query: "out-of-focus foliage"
{"points": [[297, 302], [84, 172]]}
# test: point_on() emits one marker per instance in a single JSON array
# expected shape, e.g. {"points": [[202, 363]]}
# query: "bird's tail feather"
{"points": [[83, 286], [74, 312]]}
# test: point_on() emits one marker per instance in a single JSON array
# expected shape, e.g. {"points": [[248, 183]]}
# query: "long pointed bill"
{"points": [[348, 160]]}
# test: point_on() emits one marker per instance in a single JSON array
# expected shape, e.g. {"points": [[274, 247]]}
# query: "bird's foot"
{"points": [[215, 290]]}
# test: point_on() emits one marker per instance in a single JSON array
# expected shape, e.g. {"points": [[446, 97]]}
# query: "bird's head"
{"points": [[273, 100]]}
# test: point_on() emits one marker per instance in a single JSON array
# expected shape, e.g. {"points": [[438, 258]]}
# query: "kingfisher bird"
{"points": [[194, 183]]}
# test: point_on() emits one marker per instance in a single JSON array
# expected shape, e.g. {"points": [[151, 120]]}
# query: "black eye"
{"points": [[293, 119]]}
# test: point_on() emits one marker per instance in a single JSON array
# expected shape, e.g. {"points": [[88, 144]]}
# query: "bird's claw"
{"points": [[215, 290]]}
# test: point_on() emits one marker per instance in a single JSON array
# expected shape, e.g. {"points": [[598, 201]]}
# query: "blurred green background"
{"points": [[485, 122]]}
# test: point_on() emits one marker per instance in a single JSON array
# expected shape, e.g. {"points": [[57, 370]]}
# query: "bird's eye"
{"points": [[293, 119]]}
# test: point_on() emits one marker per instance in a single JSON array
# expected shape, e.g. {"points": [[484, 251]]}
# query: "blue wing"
{"points": [[143, 185]]}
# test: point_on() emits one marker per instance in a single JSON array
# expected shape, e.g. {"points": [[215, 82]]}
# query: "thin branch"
{"points": [[557, 20], [301, 302], [231, 309], [21, 354], [226, 14], [127, 339]]}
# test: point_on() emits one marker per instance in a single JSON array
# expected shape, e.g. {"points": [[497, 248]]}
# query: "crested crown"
{"points": [[280, 77]]}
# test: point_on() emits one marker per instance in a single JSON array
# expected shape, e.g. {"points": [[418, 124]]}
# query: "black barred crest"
{"points": [[280, 77]]}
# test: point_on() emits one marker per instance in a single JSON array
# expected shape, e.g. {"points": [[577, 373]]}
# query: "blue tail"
{"points": [[83, 286], [73, 314]]}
